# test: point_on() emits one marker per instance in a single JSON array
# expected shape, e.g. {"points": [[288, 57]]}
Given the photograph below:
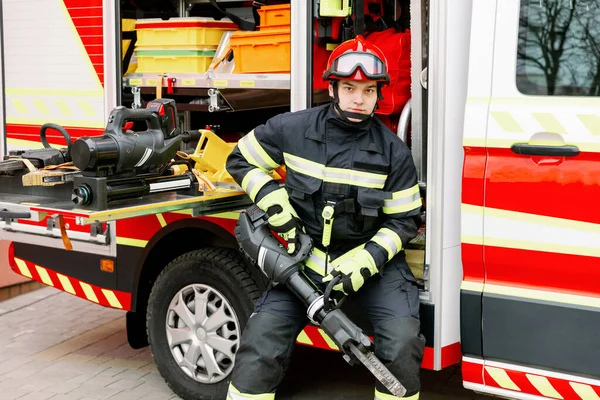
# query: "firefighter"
{"points": [[351, 184]]}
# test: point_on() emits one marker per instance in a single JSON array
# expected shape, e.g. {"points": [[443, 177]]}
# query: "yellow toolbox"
{"points": [[172, 61], [261, 51], [194, 31]]}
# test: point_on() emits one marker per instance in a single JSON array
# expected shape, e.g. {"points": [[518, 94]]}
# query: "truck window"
{"points": [[559, 48]]}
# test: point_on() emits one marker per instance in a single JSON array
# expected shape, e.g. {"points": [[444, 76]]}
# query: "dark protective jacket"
{"points": [[363, 169]]}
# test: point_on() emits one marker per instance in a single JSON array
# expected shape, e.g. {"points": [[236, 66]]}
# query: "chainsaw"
{"points": [[261, 247]]}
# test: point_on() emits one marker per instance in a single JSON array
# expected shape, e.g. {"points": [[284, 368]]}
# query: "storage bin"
{"points": [[128, 25], [261, 51], [274, 17], [155, 32], [172, 61]]}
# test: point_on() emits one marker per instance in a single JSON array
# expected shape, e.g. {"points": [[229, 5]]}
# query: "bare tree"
{"points": [[547, 31], [588, 20]]}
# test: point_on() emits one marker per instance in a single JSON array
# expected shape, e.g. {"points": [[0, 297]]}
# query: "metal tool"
{"points": [[124, 163], [261, 247]]}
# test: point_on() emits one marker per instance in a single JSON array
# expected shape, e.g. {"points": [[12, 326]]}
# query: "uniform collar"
{"points": [[350, 127]]}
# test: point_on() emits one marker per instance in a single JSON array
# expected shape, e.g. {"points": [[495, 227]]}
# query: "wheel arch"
{"points": [[172, 241]]}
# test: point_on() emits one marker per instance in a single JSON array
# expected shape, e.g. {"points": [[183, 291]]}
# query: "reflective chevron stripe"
{"points": [[521, 382], [87, 291]]}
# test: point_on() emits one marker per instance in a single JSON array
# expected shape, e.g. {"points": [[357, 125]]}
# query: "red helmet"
{"points": [[357, 60]]}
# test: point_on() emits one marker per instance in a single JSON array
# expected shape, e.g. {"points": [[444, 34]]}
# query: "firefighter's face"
{"points": [[356, 96]]}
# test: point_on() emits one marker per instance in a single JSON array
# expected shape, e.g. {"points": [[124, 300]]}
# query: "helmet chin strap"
{"points": [[348, 114]]}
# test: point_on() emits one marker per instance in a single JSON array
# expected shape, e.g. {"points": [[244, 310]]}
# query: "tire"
{"points": [[218, 277]]}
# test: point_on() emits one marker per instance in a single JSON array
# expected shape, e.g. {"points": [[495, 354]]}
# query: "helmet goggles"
{"points": [[346, 65]]}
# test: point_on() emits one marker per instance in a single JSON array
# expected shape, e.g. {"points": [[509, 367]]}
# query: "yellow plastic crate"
{"points": [[261, 51], [128, 25], [274, 17], [155, 32], [172, 61]]}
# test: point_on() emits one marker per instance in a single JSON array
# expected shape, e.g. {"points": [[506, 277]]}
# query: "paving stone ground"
{"points": [[59, 347]]}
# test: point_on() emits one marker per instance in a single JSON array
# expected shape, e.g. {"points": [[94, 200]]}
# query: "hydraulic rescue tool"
{"points": [[262, 247], [119, 165]]}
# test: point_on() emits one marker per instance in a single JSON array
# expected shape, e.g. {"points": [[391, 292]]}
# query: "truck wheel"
{"points": [[197, 311]]}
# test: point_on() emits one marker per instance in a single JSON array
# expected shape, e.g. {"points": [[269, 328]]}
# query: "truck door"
{"points": [[541, 222]]}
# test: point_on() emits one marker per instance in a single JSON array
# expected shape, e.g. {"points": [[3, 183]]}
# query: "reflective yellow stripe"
{"points": [[501, 378], [506, 121], [549, 123], [86, 108], [44, 275], [64, 122], [471, 239], [317, 264], [41, 106], [55, 92], [20, 106], [384, 396], [389, 240], [334, 175], [234, 394], [543, 295], [161, 220], [254, 181], [316, 260], [66, 283], [226, 215], [23, 269], [112, 298], [472, 286], [584, 391], [591, 122], [303, 338], [327, 339], [543, 385], [131, 242], [89, 292], [403, 201], [254, 153], [63, 107]]}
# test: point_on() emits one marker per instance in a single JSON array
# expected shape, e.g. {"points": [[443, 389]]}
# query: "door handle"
{"points": [[545, 150]]}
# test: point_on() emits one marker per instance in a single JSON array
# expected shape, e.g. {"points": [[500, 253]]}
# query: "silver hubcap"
{"points": [[203, 333]]}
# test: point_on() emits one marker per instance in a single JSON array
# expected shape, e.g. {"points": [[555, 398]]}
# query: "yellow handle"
{"points": [[327, 215]]}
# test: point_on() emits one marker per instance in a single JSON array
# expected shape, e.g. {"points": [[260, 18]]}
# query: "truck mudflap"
{"points": [[103, 296]]}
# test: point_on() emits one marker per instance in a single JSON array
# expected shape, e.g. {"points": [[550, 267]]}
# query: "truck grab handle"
{"points": [[5, 214]]}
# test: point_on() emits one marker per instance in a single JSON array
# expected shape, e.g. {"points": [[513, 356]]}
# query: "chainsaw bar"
{"points": [[379, 371]]}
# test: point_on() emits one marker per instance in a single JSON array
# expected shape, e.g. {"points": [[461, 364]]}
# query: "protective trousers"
{"points": [[390, 300]]}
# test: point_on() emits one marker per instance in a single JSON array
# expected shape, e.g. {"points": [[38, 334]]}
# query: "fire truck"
{"points": [[504, 126]]}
